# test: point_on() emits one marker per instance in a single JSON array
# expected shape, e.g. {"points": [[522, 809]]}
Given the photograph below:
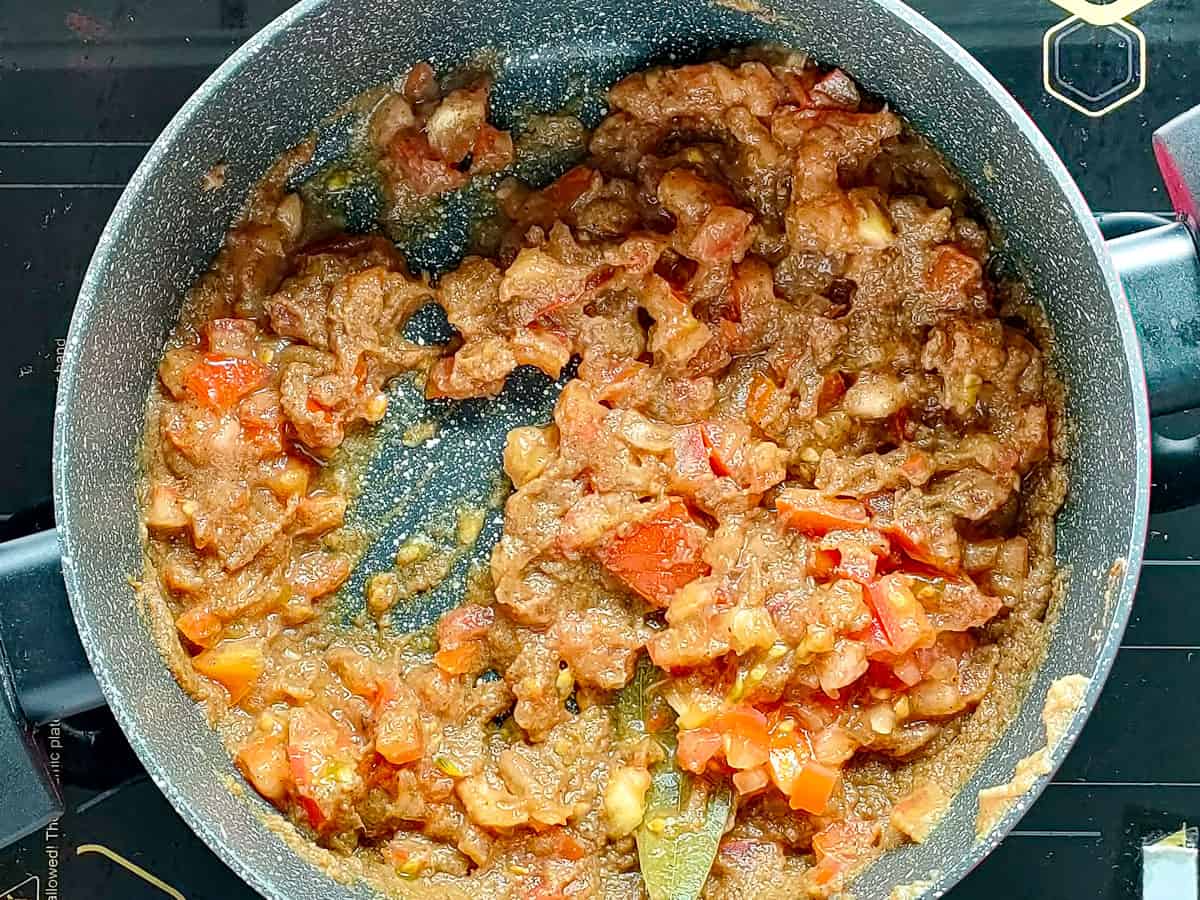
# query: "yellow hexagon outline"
{"points": [[1102, 13], [1048, 40]]}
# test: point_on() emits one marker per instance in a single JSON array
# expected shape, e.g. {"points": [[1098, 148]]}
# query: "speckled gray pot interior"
{"points": [[273, 91]]}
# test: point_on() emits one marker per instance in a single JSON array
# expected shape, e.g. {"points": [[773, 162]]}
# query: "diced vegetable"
{"points": [[469, 622], [235, 664], [751, 781], [290, 478], [952, 270], [230, 337], [900, 615], [458, 660], [399, 737], [263, 758], [874, 396], [658, 556], [696, 747], [200, 625], [721, 235], [323, 762], [812, 787], [744, 736], [527, 451], [569, 187], [165, 511], [765, 402], [425, 171], [813, 513], [219, 381], [841, 846], [920, 540]]}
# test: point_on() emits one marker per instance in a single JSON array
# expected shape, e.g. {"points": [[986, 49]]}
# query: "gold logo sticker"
{"points": [[1101, 13], [1071, 72]]}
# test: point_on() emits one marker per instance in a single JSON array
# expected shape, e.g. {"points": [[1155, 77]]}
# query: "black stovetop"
{"points": [[85, 85]]}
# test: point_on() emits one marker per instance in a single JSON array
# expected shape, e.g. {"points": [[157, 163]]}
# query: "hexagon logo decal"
{"points": [[1094, 68]]}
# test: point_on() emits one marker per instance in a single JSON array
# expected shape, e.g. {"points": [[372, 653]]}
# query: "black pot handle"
{"points": [[1160, 270], [44, 675]]}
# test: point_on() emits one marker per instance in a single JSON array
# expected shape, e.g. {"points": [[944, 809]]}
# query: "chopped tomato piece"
{"points": [[543, 349], [566, 846], [458, 660], [492, 152], [200, 626], [880, 674], [874, 638], [827, 870], [696, 747], [235, 664], [692, 460], [813, 513], [833, 387], [952, 270], [917, 543], [784, 762], [263, 759], [722, 444], [322, 760], [660, 555], [841, 845], [721, 235], [822, 563], [744, 736], [812, 787], [421, 167], [220, 381], [857, 553], [438, 383], [569, 187], [765, 402], [751, 781], [900, 615], [465, 623], [399, 737]]}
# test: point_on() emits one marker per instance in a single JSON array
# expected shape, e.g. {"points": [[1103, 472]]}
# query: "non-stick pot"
{"points": [[274, 90]]}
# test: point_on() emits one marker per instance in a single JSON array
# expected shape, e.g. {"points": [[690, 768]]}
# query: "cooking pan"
{"points": [[273, 91]]}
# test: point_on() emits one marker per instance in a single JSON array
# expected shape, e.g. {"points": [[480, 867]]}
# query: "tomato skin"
{"points": [[813, 787], [952, 271], [765, 402], [569, 187], [812, 513], [692, 460], [658, 556], [901, 617], [458, 660], [219, 381], [201, 626], [745, 737], [751, 781], [465, 623], [422, 168]]}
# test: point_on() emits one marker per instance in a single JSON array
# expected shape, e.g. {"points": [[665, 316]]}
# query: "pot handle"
{"points": [[1160, 270], [44, 675]]}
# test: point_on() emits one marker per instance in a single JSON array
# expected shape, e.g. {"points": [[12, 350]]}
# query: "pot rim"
{"points": [[135, 726]]}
